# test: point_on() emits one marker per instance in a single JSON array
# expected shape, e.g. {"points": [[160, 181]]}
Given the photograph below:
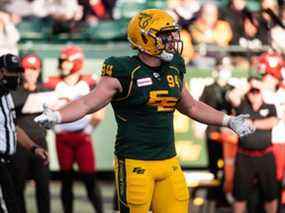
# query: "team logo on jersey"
{"points": [[162, 101], [15, 59], [264, 112], [156, 75], [142, 82]]}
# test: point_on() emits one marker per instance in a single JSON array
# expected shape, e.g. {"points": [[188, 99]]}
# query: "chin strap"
{"points": [[166, 56]]}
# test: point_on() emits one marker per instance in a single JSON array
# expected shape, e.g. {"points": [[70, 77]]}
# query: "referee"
{"points": [[10, 75]]}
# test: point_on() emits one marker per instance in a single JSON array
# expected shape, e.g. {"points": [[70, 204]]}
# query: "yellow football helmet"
{"points": [[155, 32]]}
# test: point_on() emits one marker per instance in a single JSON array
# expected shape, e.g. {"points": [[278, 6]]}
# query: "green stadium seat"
{"points": [[253, 5], [127, 9], [34, 29], [159, 4], [107, 30]]}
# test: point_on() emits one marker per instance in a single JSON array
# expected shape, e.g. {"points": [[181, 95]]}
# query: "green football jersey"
{"points": [[144, 109]]}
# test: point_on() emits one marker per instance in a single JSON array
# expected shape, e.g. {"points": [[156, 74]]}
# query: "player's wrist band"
{"points": [[226, 120]]}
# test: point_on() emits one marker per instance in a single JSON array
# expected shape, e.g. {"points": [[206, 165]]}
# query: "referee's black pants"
{"points": [[8, 200], [25, 165]]}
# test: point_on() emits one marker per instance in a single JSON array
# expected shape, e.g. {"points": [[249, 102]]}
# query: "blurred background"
{"points": [[225, 42]]}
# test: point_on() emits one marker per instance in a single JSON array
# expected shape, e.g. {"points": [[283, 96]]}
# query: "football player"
{"points": [[144, 90], [73, 140]]}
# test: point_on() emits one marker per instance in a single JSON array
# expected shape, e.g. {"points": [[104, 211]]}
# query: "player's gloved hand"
{"points": [[48, 118], [239, 124]]}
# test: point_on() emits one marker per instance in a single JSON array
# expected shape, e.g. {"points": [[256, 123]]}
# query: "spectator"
{"points": [[215, 95], [209, 29], [252, 37], [278, 33], [63, 9], [9, 35], [25, 165], [94, 11], [188, 49], [268, 17], [184, 11], [269, 7], [233, 13], [65, 13], [22, 8], [255, 163], [73, 140]]}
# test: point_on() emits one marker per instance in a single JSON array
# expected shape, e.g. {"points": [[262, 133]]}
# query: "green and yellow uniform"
{"points": [[146, 168]]}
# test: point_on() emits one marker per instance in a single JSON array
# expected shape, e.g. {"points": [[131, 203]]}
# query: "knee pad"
{"points": [[138, 189]]}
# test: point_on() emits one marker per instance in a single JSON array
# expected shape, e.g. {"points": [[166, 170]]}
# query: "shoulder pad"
{"points": [[179, 62], [116, 67], [52, 82]]}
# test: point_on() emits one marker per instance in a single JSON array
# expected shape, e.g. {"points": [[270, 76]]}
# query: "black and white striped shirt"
{"points": [[7, 125]]}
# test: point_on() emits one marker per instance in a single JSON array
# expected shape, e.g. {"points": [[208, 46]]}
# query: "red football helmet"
{"points": [[31, 61], [74, 54], [271, 63]]}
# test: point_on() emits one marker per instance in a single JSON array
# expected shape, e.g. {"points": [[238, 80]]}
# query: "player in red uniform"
{"points": [[73, 140]]}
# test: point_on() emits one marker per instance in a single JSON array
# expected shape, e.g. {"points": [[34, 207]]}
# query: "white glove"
{"points": [[239, 124], [48, 118]]}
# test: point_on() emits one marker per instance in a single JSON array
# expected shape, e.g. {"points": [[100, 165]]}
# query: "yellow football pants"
{"points": [[158, 185]]}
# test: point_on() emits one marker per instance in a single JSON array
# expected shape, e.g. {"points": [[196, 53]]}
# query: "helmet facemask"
{"points": [[169, 42], [65, 66]]}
